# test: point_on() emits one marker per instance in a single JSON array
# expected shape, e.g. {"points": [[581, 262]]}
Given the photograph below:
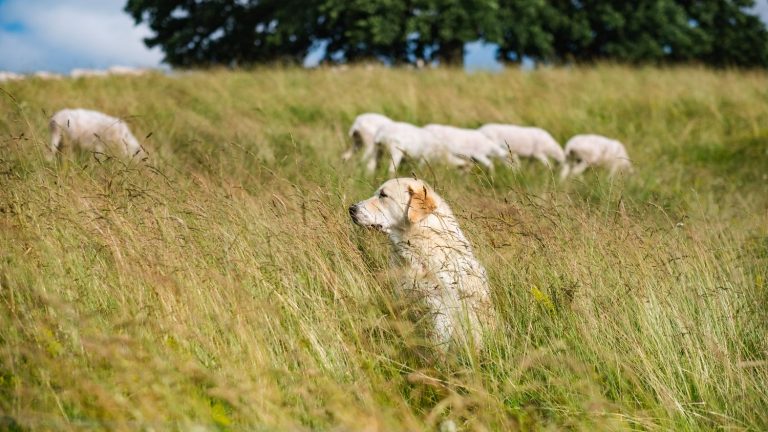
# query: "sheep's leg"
{"points": [[369, 157], [456, 161], [565, 171], [56, 137], [541, 157], [356, 143], [397, 157], [484, 161], [579, 168]]}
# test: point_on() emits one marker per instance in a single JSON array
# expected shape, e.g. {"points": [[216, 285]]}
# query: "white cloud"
{"points": [[65, 34]]}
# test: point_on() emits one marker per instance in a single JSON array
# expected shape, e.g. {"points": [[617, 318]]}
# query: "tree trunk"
{"points": [[451, 53]]}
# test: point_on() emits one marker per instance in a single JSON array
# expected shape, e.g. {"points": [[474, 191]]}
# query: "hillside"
{"points": [[222, 286]]}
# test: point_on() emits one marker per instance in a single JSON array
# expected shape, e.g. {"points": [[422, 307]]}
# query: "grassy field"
{"points": [[222, 285]]}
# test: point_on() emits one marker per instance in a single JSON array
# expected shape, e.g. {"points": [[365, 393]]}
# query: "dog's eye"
{"points": [[382, 194]]}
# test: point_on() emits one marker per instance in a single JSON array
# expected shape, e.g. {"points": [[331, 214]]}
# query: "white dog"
{"points": [[468, 144], [93, 131], [521, 141], [583, 151], [438, 258], [362, 132], [398, 140]]}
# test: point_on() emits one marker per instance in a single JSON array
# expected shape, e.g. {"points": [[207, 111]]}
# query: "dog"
{"points": [[438, 260]]}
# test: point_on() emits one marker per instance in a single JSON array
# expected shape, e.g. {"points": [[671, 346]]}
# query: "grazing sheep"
{"points": [[399, 140], [520, 141], [362, 132], [93, 131], [583, 151], [45, 75], [468, 144], [126, 70], [10, 76], [83, 73]]}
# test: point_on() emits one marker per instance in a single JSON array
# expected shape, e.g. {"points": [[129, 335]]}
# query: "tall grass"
{"points": [[222, 286]]}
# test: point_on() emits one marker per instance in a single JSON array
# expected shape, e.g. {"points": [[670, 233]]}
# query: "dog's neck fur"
{"points": [[437, 245]]}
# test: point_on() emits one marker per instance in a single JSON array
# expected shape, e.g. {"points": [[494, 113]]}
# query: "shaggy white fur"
{"points": [[93, 131], [584, 151], [362, 132], [398, 140], [468, 144], [520, 141], [438, 259]]}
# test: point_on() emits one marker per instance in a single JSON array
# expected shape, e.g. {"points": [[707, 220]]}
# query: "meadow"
{"points": [[222, 286]]}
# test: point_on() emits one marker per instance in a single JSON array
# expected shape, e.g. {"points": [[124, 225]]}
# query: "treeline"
{"points": [[243, 32]]}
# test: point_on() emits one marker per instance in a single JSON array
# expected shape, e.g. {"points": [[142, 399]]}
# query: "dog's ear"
{"points": [[420, 205]]}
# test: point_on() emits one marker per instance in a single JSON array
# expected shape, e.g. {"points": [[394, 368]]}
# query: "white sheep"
{"points": [[583, 151], [93, 131], [84, 73], [10, 76], [468, 144], [126, 70], [45, 75], [399, 140], [362, 132], [522, 141]]}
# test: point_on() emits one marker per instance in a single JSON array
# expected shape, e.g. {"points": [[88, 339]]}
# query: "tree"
{"points": [[730, 34], [523, 32], [441, 28], [715, 32], [241, 32], [228, 32], [358, 30]]}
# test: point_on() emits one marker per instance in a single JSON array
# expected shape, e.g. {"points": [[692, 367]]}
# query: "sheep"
{"points": [[83, 73], [10, 76], [398, 140], [126, 70], [92, 131], [468, 144], [45, 75], [583, 151], [362, 132], [521, 141]]}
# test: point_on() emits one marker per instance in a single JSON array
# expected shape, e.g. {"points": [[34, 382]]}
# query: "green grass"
{"points": [[223, 287]]}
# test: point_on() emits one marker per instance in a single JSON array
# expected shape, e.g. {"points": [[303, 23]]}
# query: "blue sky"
{"points": [[60, 35]]}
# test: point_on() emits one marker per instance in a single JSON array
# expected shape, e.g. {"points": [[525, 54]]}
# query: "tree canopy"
{"points": [[241, 32]]}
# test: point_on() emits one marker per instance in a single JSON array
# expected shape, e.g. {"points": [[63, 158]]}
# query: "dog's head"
{"points": [[397, 204]]}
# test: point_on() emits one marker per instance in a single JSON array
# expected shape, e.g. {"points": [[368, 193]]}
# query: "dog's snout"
{"points": [[353, 212]]}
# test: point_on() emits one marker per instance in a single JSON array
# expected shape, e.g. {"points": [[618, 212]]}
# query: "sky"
{"points": [[60, 35]]}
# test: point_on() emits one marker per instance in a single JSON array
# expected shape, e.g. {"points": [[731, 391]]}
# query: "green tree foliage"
{"points": [[444, 26], [229, 32], [728, 35], [365, 29], [715, 32]]}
